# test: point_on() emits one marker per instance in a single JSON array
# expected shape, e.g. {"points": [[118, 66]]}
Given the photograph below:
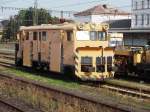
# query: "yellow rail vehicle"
{"points": [[79, 48], [133, 61]]}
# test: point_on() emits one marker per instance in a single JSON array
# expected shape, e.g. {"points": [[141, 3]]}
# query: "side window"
{"points": [[93, 35], [34, 35], [102, 36], [69, 35], [39, 36], [27, 35], [44, 36]]}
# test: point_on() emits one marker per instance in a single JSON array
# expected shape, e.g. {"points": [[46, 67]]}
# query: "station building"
{"points": [[101, 13], [1, 30], [140, 25], [136, 31]]}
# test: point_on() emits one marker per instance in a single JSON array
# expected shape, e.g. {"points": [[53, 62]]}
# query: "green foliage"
{"points": [[26, 18], [10, 29]]}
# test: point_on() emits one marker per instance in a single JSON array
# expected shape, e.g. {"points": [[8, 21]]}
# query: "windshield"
{"points": [[91, 35]]}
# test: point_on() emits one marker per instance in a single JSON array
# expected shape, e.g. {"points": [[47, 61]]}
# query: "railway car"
{"points": [[133, 61], [77, 48]]}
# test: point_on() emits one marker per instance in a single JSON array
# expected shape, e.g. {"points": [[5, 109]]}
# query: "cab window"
{"points": [[93, 35], [109, 60], [98, 61], [103, 60], [86, 64], [100, 64], [86, 60], [102, 36], [109, 64]]}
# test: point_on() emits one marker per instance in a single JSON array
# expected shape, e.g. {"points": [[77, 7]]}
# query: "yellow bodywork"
{"points": [[137, 57], [122, 52], [138, 54], [58, 52], [148, 56], [93, 75]]}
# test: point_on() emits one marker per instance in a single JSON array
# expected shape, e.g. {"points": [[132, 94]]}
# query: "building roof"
{"points": [[102, 9]]}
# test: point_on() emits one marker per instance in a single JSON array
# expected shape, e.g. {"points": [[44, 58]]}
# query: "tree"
{"points": [[25, 18], [10, 29]]}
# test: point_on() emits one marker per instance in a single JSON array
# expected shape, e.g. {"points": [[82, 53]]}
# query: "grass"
{"points": [[39, 78], [103, 93]]}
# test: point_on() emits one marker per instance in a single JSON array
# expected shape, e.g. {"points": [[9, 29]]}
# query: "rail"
{"points": [[132, 92], [72, 94], [121, 90], [11, 106]]}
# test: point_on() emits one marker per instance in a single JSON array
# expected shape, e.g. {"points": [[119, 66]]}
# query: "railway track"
{"points": [[71, 94], [5, 61], [9, 105], [10, 54], [8, 62], [6, 106], [128, 91], [7, 58]]}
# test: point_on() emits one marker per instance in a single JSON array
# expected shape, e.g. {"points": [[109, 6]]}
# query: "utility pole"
{"points": [[35, 13], [62, 14]]}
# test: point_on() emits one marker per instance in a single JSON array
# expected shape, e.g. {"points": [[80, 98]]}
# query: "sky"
{"points": [[66, 5]]}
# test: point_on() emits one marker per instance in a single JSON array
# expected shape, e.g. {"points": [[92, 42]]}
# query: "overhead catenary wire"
{"points": [[8, 1], [13, 1], [68, 5], [17, 8], [77, 4], [64, 12], [58, 11]]}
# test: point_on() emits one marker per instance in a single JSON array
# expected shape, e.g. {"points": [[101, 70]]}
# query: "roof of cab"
{"points": [[64, 26]]}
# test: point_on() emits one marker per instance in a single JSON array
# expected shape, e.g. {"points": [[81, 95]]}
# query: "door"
{"points": [[27, 54], [55, 59]]}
